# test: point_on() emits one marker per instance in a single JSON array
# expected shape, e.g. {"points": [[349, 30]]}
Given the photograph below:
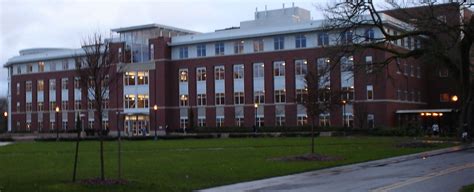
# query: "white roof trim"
{"points": [[425, 111]]}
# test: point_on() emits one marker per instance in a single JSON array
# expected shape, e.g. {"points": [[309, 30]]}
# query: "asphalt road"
{"points": [[444, 172]]}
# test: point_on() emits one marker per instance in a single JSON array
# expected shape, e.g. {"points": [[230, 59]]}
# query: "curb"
{"points": [[351, 167]]}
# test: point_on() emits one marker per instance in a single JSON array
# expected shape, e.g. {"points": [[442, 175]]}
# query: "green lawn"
{"points": [[467, 188], [179, 165]]}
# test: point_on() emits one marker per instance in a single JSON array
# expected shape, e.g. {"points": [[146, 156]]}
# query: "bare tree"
{"points": [[441, 39], [97, 73]]}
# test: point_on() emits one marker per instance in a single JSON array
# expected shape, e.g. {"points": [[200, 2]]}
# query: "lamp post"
{"points": [[344, 114], [5, 114], [155, 109], [256, 123], [57, 123]]}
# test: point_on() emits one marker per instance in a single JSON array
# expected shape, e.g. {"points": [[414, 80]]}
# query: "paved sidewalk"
{"points": [[5, 143], [381, 174]]}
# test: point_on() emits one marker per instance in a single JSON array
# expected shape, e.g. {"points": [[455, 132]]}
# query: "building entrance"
{"points": [[137, 125]]}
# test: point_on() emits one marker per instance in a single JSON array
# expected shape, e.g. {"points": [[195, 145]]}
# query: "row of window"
{"points": [[408, 96], [278, 43], [41, 66], [64, 105], [136, 78], [53, 126]]}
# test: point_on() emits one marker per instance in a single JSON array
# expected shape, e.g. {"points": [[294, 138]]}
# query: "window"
{"points": [[280, 96], [219, 121], [17, 88], [417, 44], [142, 78], [219, 73], [300, 41], [28, 106], [77, 83], [77, 105], [369, 67], [370, 121], [52, 105], [17, 106], [219, 48], [201, 50], [239, 121], [143, 101], [406, 95], [90, 124], [418, 72], [260, 122], [409, 43], [323, 39], [239, 98], [280, 121], [40, 106], [28, 86], [301, 67], [279, 68], [346, 37], [152, 51], [183, 52], [324, 120], [442, 18], [259, 97], [278, 42], [369, 35], [29, 68], [301, 95], [347, 93], [201, 122], [238, 47], [130, 78], [183, 100], [220, 99], [406, 70], [443, 72], [399, 94], [301, 120], [412, 71], [183, 75], [238, 71], [258, 45], [347, 63], [396, 40], [64, 105], [201, 74], [183, 122], [40, 66], [412, 94], [258, 70], [444, 97], [370, 92], [64, 83], [201, 99], [65, 64], [18, 70], [129, 101]]}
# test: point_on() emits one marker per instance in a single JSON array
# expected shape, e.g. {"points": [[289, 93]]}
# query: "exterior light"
{"points": [[422, 114], [255, 105], [440, 114], [155, 107], [5, 114], [454, 98], [57, 109], [305, 62], [435, 114], [428, 114], [283, 64], [352, 87], [343, 102]]}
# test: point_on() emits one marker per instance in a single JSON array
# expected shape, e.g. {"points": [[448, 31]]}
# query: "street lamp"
{"points": [[5, 114], [155, 108], [454, 98], [256, 123], [344, 113], [57, 123]]}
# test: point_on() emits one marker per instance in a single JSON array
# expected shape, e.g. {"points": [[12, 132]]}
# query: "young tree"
{"points": [[439, 35], [97, 73]]}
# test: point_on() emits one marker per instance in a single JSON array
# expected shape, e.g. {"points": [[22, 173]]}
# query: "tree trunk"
{"points": [[99, 110], [119, 140], [312, 136], [78, 129]]}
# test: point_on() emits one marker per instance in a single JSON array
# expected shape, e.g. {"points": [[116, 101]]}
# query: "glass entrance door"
{"points": [[137, 125]]}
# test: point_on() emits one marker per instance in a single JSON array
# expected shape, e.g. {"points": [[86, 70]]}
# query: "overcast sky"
{"points": [[63, 23]]}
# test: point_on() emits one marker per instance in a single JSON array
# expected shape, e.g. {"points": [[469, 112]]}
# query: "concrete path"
{"points": [[4, 143], [440, 170]]}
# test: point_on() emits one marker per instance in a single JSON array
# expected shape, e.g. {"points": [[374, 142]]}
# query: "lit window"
{"points": [[301, 120], [183, 75], [444, 97], [238, 71], [142, 78], [219, 73], [370, 92], [280, 96], [347, 93], [219, 121], [129, 101], [324, 120], [143, 101], [369, 67], [183, 100], [258, 70], [301, 67], [259, 97], [238, 47], [41, 66], [279, 68], [239, 98], [201, 74], [258, 45], [130, 78]]}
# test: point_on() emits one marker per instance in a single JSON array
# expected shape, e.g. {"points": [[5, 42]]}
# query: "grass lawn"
{"points": [[179, 165], [467, 188]]}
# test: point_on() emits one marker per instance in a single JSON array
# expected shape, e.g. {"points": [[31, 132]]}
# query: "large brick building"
{"points": [[241, 76]]}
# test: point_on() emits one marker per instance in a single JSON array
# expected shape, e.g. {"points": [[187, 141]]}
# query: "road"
{"points": [[442, 172]]}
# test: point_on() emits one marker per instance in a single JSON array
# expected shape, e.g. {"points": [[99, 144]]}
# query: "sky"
{"points": [[64, 23]]}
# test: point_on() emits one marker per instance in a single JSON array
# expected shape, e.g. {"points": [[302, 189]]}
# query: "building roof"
{"points": [[150, 26], [43, 54]]}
